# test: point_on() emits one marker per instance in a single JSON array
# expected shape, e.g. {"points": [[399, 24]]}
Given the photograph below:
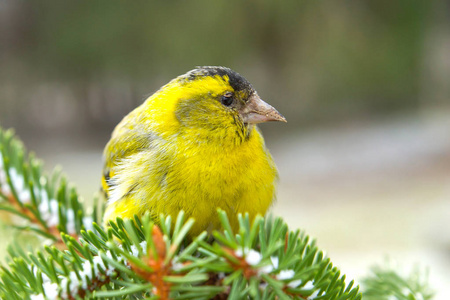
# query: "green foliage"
{"points": [[47, 202], [386, 283], [134, 258]]}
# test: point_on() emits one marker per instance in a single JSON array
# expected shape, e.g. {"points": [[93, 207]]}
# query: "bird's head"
{"points": [[217, 99]]}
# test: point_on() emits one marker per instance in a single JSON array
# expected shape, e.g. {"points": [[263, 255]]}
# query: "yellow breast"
{"points": [[199, 179]]}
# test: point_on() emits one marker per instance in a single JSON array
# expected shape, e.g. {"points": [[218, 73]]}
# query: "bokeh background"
{"points": [[364, 159]]}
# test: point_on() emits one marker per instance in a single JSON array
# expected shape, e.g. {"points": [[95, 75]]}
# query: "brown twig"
{"points": [[247, 270], [159, 269]]}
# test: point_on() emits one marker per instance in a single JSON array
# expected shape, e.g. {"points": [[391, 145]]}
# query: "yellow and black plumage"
{"points": [[192, 146]]}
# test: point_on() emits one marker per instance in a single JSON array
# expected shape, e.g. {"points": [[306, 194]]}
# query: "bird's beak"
{"points": [[257, 111]]}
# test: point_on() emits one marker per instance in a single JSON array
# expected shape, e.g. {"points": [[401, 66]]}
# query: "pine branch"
{"points": [[46, 203], [387, 283], [135, 258]]}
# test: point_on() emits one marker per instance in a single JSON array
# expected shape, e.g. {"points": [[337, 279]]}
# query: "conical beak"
{"points": [[257, 111]]}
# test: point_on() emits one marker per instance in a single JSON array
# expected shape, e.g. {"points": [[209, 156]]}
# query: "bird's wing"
{"points": [[126, 140]]}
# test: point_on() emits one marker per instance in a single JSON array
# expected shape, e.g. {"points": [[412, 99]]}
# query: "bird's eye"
{"points": [[227, 99]]}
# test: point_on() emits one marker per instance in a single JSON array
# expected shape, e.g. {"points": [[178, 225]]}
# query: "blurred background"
{"points": [[364, 159]]}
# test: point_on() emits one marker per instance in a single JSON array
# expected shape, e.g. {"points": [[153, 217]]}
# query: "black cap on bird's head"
{"points": [[253, 110], [237, 82]]}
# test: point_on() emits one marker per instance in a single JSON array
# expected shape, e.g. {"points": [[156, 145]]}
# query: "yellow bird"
{"points": [[192, 146]]}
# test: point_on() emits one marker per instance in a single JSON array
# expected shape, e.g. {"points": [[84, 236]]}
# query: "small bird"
{"points": [[192, 146]]}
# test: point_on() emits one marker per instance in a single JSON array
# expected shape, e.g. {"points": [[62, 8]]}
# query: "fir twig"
{"points": [[45, 202], [148, 261], [388, 282]]}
